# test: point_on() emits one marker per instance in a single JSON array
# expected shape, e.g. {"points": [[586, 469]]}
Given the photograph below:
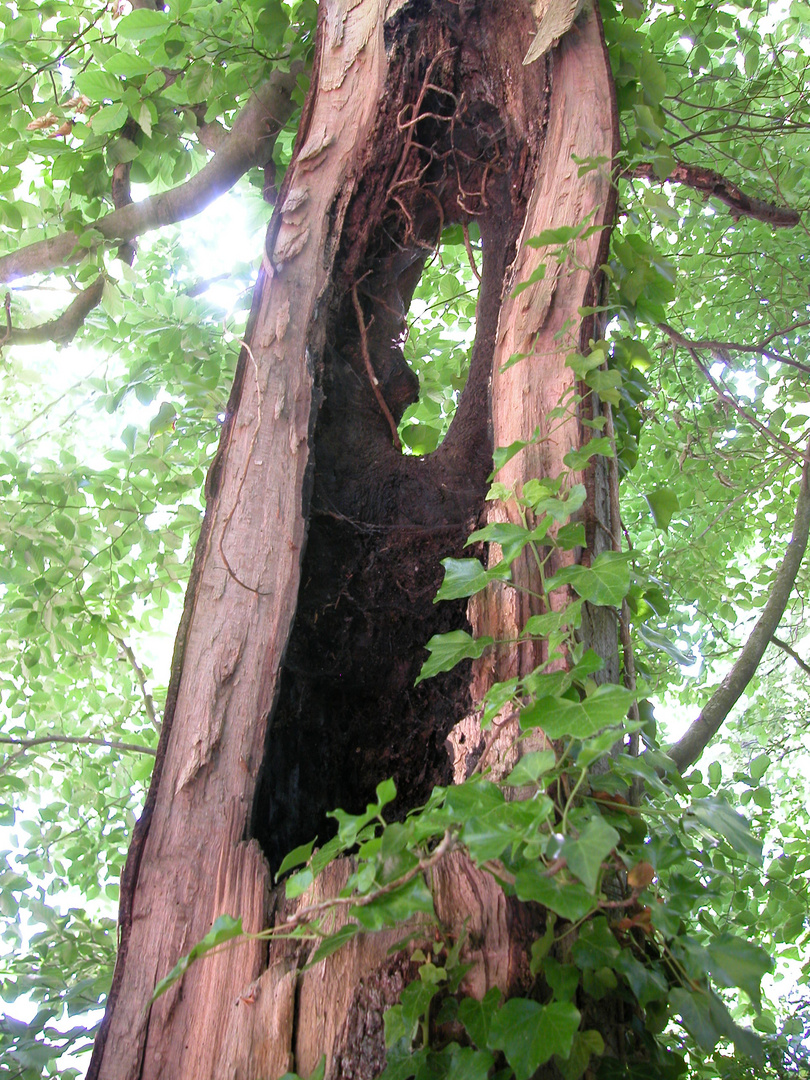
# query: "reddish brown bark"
{"points": [[306, 445]]}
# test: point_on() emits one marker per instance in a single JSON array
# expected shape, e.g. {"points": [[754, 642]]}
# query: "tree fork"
{"points": [[242, 1013]]}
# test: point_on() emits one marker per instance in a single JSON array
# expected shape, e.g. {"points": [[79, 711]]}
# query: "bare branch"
{"points": [[148, 700], [62, 329], [249, 143], [691, 745], [783, 645], [74, 740], [712, 183], [722, 348]]}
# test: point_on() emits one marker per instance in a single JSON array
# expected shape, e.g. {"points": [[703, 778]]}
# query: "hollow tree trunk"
{"points": [[311, 593]]}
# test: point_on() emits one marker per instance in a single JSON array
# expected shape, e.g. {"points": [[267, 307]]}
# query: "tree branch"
{"points": [[250, 142], [148, 700], [691, 745], [64, 328], [783, 645], [723, 393], [712, 183], [75, 740]]}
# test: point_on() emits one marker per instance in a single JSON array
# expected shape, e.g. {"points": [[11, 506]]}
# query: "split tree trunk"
{"points": [[312, 587]]}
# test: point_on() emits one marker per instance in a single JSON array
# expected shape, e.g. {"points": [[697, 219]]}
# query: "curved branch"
{"points": [[64, 328], [713, 183], [140, 675], [250, 142], [691, 745], [783, 645], [74, 740]]}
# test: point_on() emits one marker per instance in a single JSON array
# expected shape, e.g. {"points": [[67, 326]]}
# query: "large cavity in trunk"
{"points": [[445, 154]]}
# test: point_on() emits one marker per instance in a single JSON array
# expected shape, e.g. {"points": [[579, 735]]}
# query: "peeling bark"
{"points": [[311, 594]]}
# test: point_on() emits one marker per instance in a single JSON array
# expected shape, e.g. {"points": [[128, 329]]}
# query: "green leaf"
{"points": [[716, 815], [595, 947], [447, 650], [99, 85], [536, 275], [606, 582], [585, 854], [297, 857], [110, 118], [127, 65], [225, 928], [142, 24], [570, 900], [559, 718], [579, 458], [736, 962], [587, 1044], [656, 640], [511, 538], [531, 767], [334, 942], [465, 577], [663, 503], [476, 1016], [529, 1034]]}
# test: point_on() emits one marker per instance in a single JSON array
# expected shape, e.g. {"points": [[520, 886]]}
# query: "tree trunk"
{"points": [[311, 593]]}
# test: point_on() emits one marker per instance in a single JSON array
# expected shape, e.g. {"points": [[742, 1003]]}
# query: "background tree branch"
{"points": [[712, 183], [791, 652], [24, 745], [250, 143], [63, 328], [691, 745]]}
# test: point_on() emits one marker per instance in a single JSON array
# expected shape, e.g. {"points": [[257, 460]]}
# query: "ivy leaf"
{"points": [[596, 947], [476, 1016], [570, 900], [447, 650], [464, 577], [531, 767], [585, 854], [225, 928], [715, 814], [734, 961], [297, 857], [334, 942], [587, 1044], [663, 503], [560, 718], [529, 1034], [512, 538], [605, 582], [579, 458]]}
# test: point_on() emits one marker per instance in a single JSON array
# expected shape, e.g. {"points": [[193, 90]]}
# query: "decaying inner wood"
{"points": [[449, 146]]}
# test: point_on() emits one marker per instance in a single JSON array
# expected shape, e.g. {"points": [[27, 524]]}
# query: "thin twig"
{"points": [[148, 700], [783, 645], [372, 378], [466, 230], [446, 845], [75, 740]]}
